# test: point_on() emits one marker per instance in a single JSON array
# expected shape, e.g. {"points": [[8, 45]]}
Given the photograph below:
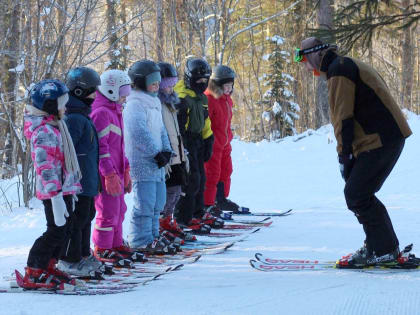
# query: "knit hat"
{"points": [[168, 82], [152, 78], [314, 59]]}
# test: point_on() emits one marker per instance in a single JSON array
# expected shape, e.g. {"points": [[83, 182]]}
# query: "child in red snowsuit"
{"points": [[219, 168]]}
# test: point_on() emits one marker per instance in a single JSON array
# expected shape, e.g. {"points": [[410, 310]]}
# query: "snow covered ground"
{"points": [[302, 175]]}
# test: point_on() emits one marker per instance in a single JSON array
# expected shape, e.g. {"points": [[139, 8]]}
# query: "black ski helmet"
{"points": [[222, 74], [139, 70], [82, 81], [167, 70], [196, 68]]}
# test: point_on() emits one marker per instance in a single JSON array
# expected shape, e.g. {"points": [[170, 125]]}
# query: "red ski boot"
{"points": [[211, 220], [36, 278], [169, 224], [128, 253], [113, 257]]}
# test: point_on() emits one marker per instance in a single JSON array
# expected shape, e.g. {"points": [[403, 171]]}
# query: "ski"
{"points": [[256, 222], [264, 214], [258, 265], [63, 292], [247, 226], [272, 261]]}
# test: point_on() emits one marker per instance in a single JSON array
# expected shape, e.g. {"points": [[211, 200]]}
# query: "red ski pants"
{"points": [[218, 169]]}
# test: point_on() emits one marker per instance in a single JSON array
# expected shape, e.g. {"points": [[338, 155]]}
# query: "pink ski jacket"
{"points": [[107, 117], [48, 158]]}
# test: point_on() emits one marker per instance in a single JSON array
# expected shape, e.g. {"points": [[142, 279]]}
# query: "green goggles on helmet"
{"points": [[299, 55]]}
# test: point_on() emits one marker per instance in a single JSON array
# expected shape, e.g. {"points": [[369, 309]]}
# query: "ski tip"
{"points": [[256, 230], [252, 262], [168, 269], [156, 277], [177, 267], [197, 258], [258, 256], [266, 219], [229, 246]]}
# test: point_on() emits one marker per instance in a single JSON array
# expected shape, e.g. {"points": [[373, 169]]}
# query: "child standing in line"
{"points": [[219, 167], [198, 138], [77, 259], [57, 181], [148, 150], [113, 166], [176, 169]]}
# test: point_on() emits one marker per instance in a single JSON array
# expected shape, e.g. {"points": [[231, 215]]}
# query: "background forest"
{"points": [[273, 97]]}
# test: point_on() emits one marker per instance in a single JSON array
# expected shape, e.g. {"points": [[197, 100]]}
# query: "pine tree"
{"points": [[281, 111]]}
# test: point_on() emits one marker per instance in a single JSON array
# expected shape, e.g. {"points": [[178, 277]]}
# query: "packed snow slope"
{"points": [[302, 175]]}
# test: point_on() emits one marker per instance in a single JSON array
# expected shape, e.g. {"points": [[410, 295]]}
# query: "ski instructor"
{"points": [[370, 130]]}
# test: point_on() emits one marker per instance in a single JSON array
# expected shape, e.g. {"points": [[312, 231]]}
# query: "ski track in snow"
{"points": [[302, 175]]}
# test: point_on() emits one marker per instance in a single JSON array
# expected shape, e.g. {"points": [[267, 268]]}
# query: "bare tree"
{"points": [[159, 30], [325, 19], [407, 61]]}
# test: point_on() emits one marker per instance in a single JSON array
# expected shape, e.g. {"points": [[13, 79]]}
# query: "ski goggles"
{"points": [[299, 55]]}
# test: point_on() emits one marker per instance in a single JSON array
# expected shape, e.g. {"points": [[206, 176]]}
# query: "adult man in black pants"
{"points": [[370, 130]]}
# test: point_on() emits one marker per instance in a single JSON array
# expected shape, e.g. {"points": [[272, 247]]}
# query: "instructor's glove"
{"points": [[59, 209], [113, 185], [127, 181], [162, 158], [208, 148], [346, 164]]}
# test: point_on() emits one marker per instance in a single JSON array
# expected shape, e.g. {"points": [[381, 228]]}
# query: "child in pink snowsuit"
{"points": [[113, 164]]}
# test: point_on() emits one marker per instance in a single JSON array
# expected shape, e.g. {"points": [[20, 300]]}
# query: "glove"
{"points": [[113, 184], [128, 185], [208, 148], [59, 209], [168, 171], [346, 164], [162, 158]]}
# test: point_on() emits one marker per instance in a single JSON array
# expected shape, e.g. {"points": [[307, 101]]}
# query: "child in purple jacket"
{"points": [[113, 166]]}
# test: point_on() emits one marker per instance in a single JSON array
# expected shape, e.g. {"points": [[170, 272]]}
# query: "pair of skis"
{"points": [[406, 261]]}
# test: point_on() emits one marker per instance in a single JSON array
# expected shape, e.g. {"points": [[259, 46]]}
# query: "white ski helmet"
{"points": [[111, 81]]}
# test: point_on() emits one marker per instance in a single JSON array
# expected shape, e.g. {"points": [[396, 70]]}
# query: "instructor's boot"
{"points": [[362, 258]]}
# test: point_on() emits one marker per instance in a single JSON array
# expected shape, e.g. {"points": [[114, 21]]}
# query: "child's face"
{"points": [[154, 87], [168, 90], [227, 88]]}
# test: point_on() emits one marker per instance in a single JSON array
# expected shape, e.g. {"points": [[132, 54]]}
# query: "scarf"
{"points": [[70, 157]]}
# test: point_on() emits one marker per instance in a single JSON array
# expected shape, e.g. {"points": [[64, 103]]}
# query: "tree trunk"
{"points": [[407, 66], [10, 61], [325, 18], [159, 30], [125, 49], [111, 25]]}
